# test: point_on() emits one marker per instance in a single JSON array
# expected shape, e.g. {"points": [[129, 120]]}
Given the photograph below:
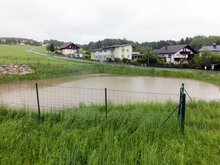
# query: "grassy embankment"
{"points": [[50, 67], [132, 134]]}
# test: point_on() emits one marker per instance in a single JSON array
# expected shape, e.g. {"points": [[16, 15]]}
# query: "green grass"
{"points": [[41, 49], [132, 134]]}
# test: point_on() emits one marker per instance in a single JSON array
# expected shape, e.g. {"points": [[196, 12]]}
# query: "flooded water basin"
{"points": [[72, 91]]}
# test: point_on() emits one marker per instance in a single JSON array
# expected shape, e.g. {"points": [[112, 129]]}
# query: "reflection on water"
{"points": [[71, 91]]}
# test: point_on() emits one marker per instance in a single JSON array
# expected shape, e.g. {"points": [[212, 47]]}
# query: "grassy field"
{"points": [[41, 49], [131, 134], [49, 67]]}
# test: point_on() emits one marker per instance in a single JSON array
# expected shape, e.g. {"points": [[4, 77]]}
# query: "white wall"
{"points": [[183, 57], [68, 51], [103, 55]]}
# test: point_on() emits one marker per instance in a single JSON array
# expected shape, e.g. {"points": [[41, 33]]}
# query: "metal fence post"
{"points": [[181, 94], [183, 107], [106, 103], [38, 102]]}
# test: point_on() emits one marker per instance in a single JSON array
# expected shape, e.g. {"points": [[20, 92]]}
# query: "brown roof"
{"points": [[173, 49], [67, 44]]}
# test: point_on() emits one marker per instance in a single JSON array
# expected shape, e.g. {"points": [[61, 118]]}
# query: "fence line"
{"points": [[53, 97]]}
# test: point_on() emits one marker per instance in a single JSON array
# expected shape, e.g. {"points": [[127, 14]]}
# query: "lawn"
{"points": [[132, 134]]}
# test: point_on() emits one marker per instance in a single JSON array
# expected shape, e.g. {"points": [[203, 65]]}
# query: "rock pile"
{"points": [[15, 69]]}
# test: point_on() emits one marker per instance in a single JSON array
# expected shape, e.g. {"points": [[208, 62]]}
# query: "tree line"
{"points": [[14, 40]]}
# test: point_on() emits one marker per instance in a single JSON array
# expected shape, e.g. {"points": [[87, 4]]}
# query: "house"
{"points": [[214, 48], [136, 55], [176, 54], [124, 51], [68, 49]]}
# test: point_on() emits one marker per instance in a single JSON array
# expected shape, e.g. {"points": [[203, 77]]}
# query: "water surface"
{"points": [[72, 91]]}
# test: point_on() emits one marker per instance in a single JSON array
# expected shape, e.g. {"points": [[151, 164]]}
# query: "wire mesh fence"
{"points": [[53, 97]]}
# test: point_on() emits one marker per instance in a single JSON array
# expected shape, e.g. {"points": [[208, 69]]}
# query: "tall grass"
{"points": [[132, 134]]}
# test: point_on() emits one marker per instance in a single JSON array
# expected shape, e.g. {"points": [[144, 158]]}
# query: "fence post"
{"points": [[183, 107], [181, 94], [38, 102], [106, 103]]}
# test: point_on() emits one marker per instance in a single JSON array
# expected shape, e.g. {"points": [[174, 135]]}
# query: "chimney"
{"points": [[214, 45], [166, 47]]}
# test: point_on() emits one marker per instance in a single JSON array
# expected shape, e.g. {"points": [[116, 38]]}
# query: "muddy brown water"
{"points": [[72, 91]]}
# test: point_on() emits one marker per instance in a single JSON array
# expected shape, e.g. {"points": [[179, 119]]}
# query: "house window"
{"points": [[122, 49], [128, 56], [127, 50], [105, 50]]}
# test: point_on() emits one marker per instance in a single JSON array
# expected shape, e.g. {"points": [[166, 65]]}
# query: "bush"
{"points": [[117, 60]]}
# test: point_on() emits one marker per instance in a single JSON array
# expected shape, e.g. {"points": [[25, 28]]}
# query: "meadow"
{"points": [[131, 134]]}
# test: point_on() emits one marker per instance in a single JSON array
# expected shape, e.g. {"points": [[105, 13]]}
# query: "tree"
{"points": [[205, 59], [50, 47], [150, 57]]}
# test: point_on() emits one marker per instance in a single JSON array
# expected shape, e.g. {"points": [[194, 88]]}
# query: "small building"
{"points": [[214, 48], [136, 55], [68, 49], [176, 54], [124, 51]]}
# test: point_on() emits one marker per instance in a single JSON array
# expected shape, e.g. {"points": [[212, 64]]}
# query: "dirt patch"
{"points": [[9, 69]]}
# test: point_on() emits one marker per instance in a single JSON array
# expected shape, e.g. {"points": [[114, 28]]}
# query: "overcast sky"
{"points": [[81, 21]]}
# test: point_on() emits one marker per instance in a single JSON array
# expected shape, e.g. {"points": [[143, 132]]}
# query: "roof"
{"points": [[210, 48], [173, 49], [113, 46], [65, 45]]}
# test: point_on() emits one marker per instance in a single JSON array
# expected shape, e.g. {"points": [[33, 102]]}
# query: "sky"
{"points": [[82, 21]]}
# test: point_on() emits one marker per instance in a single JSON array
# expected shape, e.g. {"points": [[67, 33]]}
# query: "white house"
{"points": [[68, 49], [112, 52], [176, 54]]}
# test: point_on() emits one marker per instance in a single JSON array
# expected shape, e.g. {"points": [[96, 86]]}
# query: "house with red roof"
{"points": [[68, 49]]}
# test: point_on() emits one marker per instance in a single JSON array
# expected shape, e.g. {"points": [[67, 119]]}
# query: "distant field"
{"points": [[132, 134], [46, 67], [41, 49]]}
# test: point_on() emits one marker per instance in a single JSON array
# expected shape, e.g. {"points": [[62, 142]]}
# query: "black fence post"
{"points": [[181, 94], [183, 107], [38, 102], [106, 103]]}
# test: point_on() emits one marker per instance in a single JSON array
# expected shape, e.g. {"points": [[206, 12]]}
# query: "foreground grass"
{"points": [[132, 134]]}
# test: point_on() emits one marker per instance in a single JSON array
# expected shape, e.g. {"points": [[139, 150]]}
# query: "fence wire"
{"points": [[59, 97]]}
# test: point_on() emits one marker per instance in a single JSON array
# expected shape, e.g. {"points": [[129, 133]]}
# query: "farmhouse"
{"points": [[68, 49], [214, 48], [124, 51], [176, 54]]}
